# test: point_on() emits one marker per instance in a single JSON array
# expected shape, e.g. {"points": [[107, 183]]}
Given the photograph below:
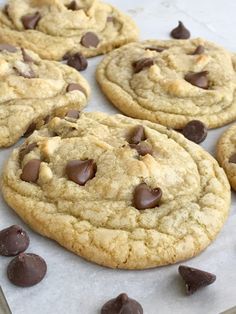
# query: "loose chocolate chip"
{"points": [[144, 197], [90, 40], [122, 305], [137, 135], [30, 21], [80, 171], [77, 61], [30, 129], [142, 148], [195, 278], [141, 64], [73, 113], [180, 32], [157, 49], [199, 50], [73, 6], [7, 47], [26, 270], [13, 240], [73, 86], [195, 131], [232, 159], [30, 171], [26, 151], [26, 57], [198, 79]]}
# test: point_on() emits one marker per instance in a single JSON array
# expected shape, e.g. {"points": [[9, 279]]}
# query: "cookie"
{"points": [[54, 29], [172, 82], [32, 89], [84, 183], [226, 154]]}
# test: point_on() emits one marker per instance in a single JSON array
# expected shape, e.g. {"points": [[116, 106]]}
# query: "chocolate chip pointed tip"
{"points": [[180, 32], [30, 21], [195, 131], [142, 148], [122, 305], [144, 197], [13, 240], [198, 79]]}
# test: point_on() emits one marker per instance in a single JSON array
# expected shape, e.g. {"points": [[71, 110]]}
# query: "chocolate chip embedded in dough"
{"points": [[73, 6], [142, 148], [30, 21], [74, 86], [198, 79], [144, 197], [90, 39], [232, 158], [81, 171], [73, 113], [199, 50], [30, 171], [137, 135], [141, 64], [77, 61], [26, 150], [7, 47], [26, 57]]}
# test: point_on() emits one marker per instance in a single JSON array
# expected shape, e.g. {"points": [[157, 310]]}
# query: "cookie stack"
{"points": [[130, 191]]}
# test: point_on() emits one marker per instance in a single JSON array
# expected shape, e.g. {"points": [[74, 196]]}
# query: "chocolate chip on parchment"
{"points": [[195, 278], [26, 270], [26, 57], [122, 305], [73, 6], [81, 171], [198, 79], [30, 171], [232, 158], [141, 64], [180, 32], [74, 86], [137, 135], [30, 21], [77, 61], [142, 148], [73, 113], [145, 197], [7, 47], [195, 131], [90, 39], [26, 150], [199, 50], [13, 240]]}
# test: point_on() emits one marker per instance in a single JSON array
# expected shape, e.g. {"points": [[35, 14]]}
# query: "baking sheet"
{"points": [[74, 286]]}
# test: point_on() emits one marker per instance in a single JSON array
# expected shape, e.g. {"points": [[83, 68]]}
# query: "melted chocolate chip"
{"points": [[73, 86], [30, 171], [26, 150], [198, 79], [7, 47], [26, 270], [195, 131], [73, 6], [90, 40], [144, 197], [157, 49], [180, 32], [122, 305], [199, 50], [142, 148], [195, 278], [30, 21], [80, 171], [137, 135], [30, 129], [26, 57], [13, 240], [142, 64], [77, 61], [232, 159], [73, 113]]}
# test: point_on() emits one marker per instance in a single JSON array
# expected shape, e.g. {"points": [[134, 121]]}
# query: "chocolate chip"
{"points": [[142, 148], [29, 74], [110, 19], [13, 240], [73, 6], [80, 171], [5, 9], [26, 150], [26, 270], [90, 40], [141, 64], [73, 86], [73, 113], [7, 47], [30, 21], [144, 197], [122, 305], [180, 32], [157, 49], [46, 119], [30, 171], [195, 131], [77, 61], [26, 57], [137, 135], [198, 79], [232, 159], [30, 129], [195, 278], [199, 50]]}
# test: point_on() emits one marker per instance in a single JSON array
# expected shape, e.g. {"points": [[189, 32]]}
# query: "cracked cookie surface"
{"points": [[172, 82], [97, 217], [32, 88], [53, 28]]}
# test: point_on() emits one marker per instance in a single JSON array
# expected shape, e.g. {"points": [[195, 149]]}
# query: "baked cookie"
{"points": [[226, 154], [54, 28], [120, 192], [172, 82], [31, 89]]}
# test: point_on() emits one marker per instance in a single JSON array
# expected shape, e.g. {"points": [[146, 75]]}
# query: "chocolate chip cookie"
{"points": [[54, 29], [119, 192], [32, 89], [172, 82]]}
